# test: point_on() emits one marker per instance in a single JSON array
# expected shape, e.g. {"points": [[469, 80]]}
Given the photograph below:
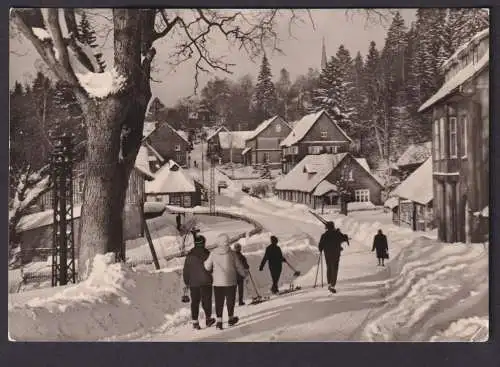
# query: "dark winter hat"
{"points": [[200, 241], [379, 231], [330, 225], [237, 247], [274, 240]]}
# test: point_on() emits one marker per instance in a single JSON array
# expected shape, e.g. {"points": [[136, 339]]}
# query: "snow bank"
{"points": [[427, 278], [41, 33], [119, 303]]}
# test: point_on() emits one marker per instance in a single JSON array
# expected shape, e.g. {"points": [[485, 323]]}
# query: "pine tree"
{"points": [[328, 94], [346, 90], [465, 23], [265, 100], [157, 111], [87, 35], [358, 100], [283, 86]]}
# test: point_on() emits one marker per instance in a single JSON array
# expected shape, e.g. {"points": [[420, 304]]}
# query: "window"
{"points": [[362, 195], [351, 176], [442, 137], [179, 157], [278, 128], [315, 149], [334, 149], [465, 140], [436, 140], [324, 134], [266, 158], [177, 148], [453, 137]]}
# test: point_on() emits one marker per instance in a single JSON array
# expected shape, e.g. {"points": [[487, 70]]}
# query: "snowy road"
{"points": [[309, 314]]}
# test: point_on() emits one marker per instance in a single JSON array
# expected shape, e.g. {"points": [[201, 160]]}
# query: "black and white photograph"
{"points": [[249, 175]]}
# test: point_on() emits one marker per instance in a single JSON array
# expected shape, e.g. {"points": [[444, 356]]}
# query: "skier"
{"points": [[275, 257], [178, 221], [380, 245], [225, 267], [244, 262], [199, 281], [331, 244]]}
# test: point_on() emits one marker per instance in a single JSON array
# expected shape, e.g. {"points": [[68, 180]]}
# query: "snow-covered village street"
{"points": [[250, 175], [397, 302]]}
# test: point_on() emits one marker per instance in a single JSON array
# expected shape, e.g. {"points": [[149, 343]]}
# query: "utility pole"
{"points": [[63, 244]]}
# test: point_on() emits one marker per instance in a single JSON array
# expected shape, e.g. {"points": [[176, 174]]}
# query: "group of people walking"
{"points": [[222, 272]]}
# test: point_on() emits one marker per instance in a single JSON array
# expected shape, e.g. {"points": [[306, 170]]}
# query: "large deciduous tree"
{"points": [[114, 102]]}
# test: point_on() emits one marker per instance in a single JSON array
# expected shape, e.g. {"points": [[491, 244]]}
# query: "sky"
{"points": [[300, 52]]}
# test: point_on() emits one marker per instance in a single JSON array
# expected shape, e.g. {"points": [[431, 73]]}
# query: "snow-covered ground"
{"points": [[428, 291]]}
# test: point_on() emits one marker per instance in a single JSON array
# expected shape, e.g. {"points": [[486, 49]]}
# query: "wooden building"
{"points": [[174, 186], [315, 133], [313, 181], [412, 158], [413, 198], [263, 144], [460, 117], [169, 143]]}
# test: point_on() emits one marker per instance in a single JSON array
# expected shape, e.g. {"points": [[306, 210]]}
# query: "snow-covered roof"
{"points": [[184, 134], [262, 126], [42, 219], [238, 139], [418, 186], [170, 178], [214, 133], [483, 213], [415, 153], [324, 187], [465, 48], [153, 152], [391, 203], [302, 127], [142, 162], [456, 81], [246, 150], [364, 163], [309, 172], [149, 127]]}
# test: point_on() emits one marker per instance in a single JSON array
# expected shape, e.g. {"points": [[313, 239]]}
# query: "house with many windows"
{"points": [[263, 144], [314, 181], [460, 143], [315, 133], [168, 143]]}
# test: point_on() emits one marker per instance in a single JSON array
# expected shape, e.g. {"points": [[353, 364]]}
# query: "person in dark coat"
{"points": [[178, 221], [331, 245], [244, 262], [381, 247], [275, 258], [199, 281]]}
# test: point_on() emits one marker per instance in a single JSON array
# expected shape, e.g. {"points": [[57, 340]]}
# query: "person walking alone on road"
{"points": [[199, 281], [225, 267], [240, 279], [381, 247], [275, 257], [331, 245]]}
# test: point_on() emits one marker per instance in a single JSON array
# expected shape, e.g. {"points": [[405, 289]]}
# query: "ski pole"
{"points": [[295, 271], [321, 274], [253, 283], [317, 270]]}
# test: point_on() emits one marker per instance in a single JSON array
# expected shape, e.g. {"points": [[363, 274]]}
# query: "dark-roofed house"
{"points": [[263, 144], [413, 157], [411, 201], [460, 142], [313, 181], [315, 133], [213, 145], [167, 141]]}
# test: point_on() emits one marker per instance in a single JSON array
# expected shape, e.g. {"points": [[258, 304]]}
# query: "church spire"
{"points": [[323, 55]]}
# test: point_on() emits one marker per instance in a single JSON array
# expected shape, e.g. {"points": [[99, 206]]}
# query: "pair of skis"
{"points": [[292, 288]]}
